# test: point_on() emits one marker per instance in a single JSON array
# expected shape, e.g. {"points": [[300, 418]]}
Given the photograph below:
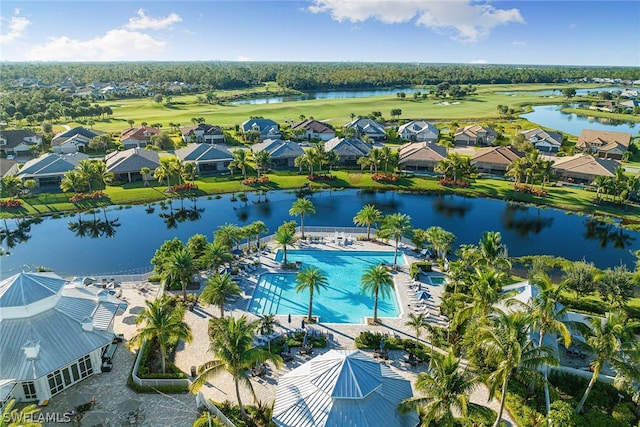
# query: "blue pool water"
{"points": [[340, 302], [437, 280]]}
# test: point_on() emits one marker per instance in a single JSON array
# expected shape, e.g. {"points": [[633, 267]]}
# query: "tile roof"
{"points": [[586, 165], [603, 140], [496, 155], [205, 128], [132, 160], [365, 125], [348, 146], [278, 148], [418, 126], [472, 131], [422, 151], [51, 164], [62, 137], [314, 125], [14, 138], [141, 133], [538, 135], [263, 125], [204, 152]]}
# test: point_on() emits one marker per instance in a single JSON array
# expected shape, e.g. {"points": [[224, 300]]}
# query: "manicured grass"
{"points": [[594, 113]]}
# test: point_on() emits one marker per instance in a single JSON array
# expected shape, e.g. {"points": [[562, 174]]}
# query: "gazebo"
{"points": [[342, 388]]}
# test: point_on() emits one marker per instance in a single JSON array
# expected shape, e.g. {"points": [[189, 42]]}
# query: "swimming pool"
{"points": [[437, 280], [340, 302]]}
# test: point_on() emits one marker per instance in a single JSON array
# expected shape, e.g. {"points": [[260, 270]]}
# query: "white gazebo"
{"points": [[342, 388]]}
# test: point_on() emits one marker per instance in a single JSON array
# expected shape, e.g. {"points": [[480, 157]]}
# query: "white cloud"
{"points": [[478, 61], [17, 26], [143, 22], [465, 20], [519, 43], [118, 44]]}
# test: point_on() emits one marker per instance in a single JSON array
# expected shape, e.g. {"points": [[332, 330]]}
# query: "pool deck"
{"points": [[180, 410]]}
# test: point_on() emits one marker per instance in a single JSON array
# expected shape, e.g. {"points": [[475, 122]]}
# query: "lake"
{"points": [[123, 240], [558, 92], [551, 117], [333, 94]]}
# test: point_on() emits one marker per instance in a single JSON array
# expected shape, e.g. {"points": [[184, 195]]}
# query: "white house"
{"points": [[419, 131]]}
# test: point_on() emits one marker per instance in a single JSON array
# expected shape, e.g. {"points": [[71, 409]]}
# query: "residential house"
{"points": [[419, 131], [367, 127], [283, 153], [583, 168], [137, 137], [267, 128], [605, 144], [314, 130], [421, 156], [475, 135], [73, 140], [54, 333], [202, 132], [495, 160], [208, 158], [349, 149], [543, 140], [125, 165], [18, 142], [630, 105], [49, 169]]}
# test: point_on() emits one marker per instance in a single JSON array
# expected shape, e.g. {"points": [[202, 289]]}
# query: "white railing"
{"points": [[154, 382], [202, 401]]}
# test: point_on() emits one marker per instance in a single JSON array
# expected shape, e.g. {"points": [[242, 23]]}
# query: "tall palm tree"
{"points": [[416, 321], [233, 351], [163, 324], [86, 171], [179, 268], [161, 173], [440, 239], [71, 181], [493, 252], [101, 172], [517, 169], [310, 279], [304, 161], [369, 215], [263, 161], [220, 289], [216, 255], [445, 386], [240, 161], [601, 182], [332, 159], [396, 226], [228, 235], [145, 172], [376, 280], [486, 290], [386, 156], [546, 171], [13, 417], [319, 155], [285, 236], [507, 343], [302, 207], [609, 341], [259, 227], [268, 323]]}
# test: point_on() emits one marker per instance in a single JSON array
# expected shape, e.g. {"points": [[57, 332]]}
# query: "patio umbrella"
{"points": [[305, 340], [129, 405], [286, 348], [381, 343], [80, 399], [423, 295], [302, 325], [94, 419], [289, 319]]}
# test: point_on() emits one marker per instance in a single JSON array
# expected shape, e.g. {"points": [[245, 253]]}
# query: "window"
{"points": [[29, 390], [85, 366], [55, 382]]}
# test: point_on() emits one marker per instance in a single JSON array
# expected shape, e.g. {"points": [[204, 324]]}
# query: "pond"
{"points": [[333, 94], [551, 117], [558, 92], [123, 240]]}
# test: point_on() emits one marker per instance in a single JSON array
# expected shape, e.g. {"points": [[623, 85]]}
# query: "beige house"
{"points": [[583, 168], [126, 164], [475, 135], [605, 144], [421, 156], [495, 160]]}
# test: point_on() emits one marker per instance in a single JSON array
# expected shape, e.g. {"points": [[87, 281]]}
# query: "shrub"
{"points": [[253, 181], [184, 187], [96, 195], [448, 182], [384, 177], [525, 188], [10, 204], [562, 414], [623, 413], [321, 177]]}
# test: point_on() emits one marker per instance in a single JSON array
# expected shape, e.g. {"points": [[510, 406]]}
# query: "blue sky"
{"points": [[452, 31]]}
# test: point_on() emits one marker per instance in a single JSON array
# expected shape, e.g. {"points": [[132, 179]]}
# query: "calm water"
{"points": [[550, 116], [128, 241], [340, 302], [335, 94], [559, 91]]}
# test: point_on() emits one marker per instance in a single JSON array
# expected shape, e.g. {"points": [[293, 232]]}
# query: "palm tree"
{"points": [[302, 207], [161, 173], [311, 279], [240, 161], [395, 226], [609, 341], [601, 182], [10, 417], [517, 169], [180, 268], [145, 172], [233, 350], [440, 239], [493, 252], [445, 387], [86, 171], [71, 181], [507, 343], [386, 155], [220, 290], [304, 161], [268, 323], [319, 155], [263, 161], [332, 158], [416, 321], [163, 324], [258, 228], [101, 172], [369, 215], [285, 236], [546, 171], [216, 255], [376, 280], [375, 158], [228, 235]]}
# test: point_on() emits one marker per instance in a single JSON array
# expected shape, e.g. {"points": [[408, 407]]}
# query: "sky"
{"points": [[572, 32]]}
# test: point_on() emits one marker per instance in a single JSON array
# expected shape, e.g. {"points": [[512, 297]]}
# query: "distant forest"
{"points": [[204, 76]]}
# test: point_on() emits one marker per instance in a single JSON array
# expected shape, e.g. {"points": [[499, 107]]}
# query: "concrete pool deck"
{"points": [[180, 410]]}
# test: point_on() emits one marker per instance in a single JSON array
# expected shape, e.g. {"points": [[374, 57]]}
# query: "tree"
{"points": [[11, 185], [162, 324], [162, 140], [158, 98], [440, 239], [13, 417], [396, 112], [146, 175], [263, 161], [508, 345], [396, 226], [569, 92], [240, 161], [616, 285], [180, 268], [267, 324], [228, 235], [580, 277], [416, 321], [493, 253], [286, 236], [233, 350], [445, 387], [216, 255], [131, 122], [86, 171], [313, 280], [609, 341], [220, 290], [161, 173], [376, 280], [101, 172], [302, 207], [369, 215], [333, 158]]}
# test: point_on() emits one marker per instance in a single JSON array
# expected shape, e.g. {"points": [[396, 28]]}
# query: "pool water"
{"points": [[340, 302], [437, 280]]}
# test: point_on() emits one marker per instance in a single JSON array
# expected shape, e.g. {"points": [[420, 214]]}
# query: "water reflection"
{"points": [[449, 207], [607, 234], [13, 236], [516, 217], [95, 227], [175, 216]]}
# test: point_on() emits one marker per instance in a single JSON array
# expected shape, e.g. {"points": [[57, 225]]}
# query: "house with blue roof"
{"points": [[349, 149], [208, 158], [283, 153], [49, 169], [366, 127], [73, 140], [267, 128]]}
